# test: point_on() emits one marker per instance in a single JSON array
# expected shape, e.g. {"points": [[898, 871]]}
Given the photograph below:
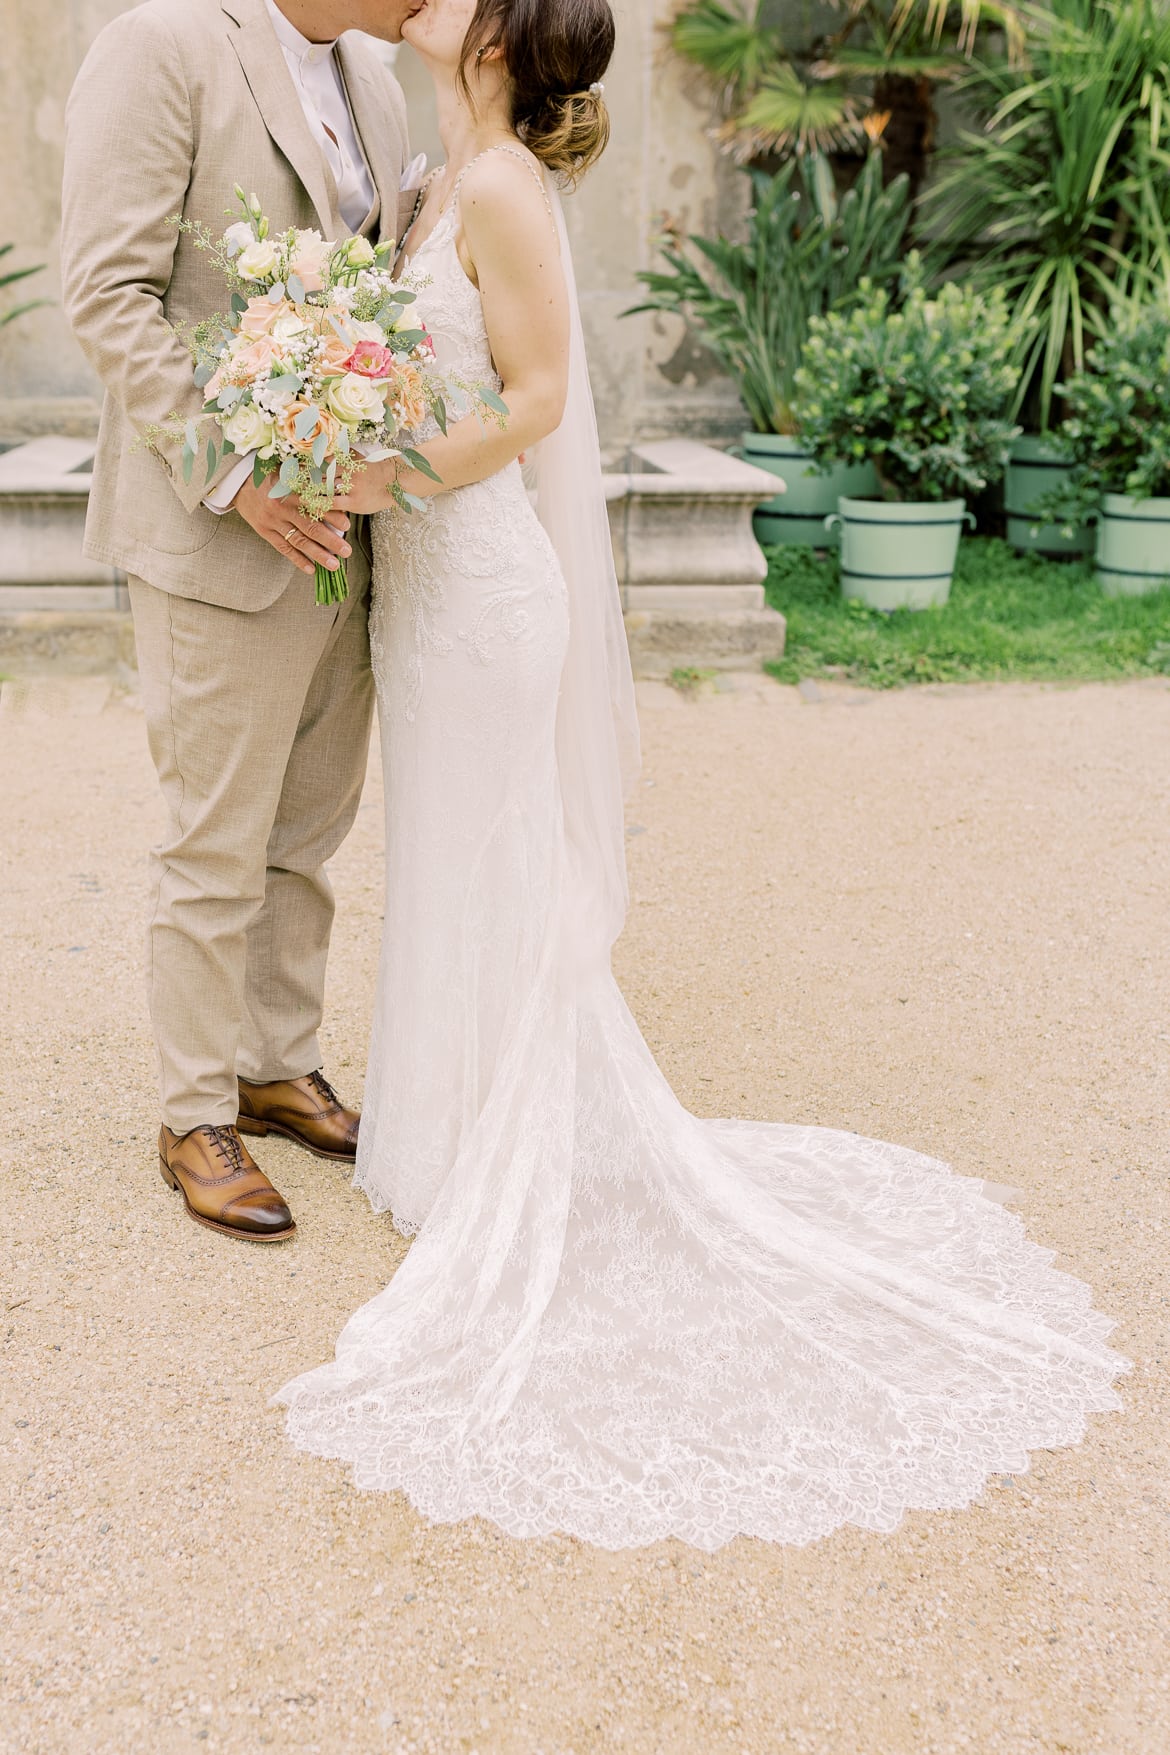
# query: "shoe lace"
{"points": [[324, 1089], [228, 1144]]}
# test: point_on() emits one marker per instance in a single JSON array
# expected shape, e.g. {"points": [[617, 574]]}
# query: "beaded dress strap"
{"points": [[512, 152]]}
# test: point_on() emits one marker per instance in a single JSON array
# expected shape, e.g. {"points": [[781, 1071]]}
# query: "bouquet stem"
{"points": [[332, 585]]}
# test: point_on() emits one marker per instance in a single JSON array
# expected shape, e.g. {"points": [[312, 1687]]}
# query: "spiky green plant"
{"points": [[1063, 197], [805, 253], [10, 277]]}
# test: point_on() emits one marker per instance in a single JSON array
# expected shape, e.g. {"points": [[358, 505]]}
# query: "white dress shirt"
{"points": [[321, 89]]}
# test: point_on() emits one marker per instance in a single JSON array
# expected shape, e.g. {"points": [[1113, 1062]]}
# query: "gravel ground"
{"points": [[937, 916]]}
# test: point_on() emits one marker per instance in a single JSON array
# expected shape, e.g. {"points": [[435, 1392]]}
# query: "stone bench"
{"points": [[690, 570], [44, 492]]}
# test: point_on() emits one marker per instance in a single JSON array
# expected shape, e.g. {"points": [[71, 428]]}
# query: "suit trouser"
{"points": [[259, 729]]}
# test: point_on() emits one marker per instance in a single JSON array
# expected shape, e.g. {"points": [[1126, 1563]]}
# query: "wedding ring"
{"points": [[289, 534]]}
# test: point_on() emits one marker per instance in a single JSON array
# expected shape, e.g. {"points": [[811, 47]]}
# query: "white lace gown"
{"points": [[617, 1321]]}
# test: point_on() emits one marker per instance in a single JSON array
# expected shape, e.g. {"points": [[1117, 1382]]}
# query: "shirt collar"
{"points": [[290, 38]]}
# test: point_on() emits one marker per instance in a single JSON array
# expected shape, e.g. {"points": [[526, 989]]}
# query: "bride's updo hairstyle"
{"points": [[555, 53]]}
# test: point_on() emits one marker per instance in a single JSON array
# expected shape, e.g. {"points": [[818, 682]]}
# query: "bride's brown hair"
{"points": [[555, 53]]}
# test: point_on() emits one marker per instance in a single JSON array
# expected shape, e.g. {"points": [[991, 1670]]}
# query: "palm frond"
{"points": [[728, 43], [791, 114]]}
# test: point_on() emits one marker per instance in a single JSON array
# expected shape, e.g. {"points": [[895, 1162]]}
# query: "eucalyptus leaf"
{"points": [[259, 472], [280, 491], [417, 461], [296, 289], [276, 293], [306, 421]]}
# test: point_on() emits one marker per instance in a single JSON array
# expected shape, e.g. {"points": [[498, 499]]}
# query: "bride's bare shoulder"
{"points": [[505, 187]]}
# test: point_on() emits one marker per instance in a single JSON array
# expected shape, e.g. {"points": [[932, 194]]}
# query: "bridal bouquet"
{"points": [[317, 368]]}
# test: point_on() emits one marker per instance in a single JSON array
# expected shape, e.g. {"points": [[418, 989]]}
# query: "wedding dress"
{"points": [[617, 1321]]}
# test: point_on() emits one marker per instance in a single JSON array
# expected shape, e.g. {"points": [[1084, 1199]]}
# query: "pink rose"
{"points": [[370, 359]]}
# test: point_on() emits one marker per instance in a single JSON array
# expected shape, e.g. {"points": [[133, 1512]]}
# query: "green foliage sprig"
{"points": [[918, 388], [805, 253]]}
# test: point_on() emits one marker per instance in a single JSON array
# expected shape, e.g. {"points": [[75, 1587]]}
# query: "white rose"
{"points": [[368, 332], [287, 328], [259, 260], [239, 236], [354, 399], [248, 430], [312, 249], [360, 253]]}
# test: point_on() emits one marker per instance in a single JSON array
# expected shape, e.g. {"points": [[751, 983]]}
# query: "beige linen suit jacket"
{"points": [[177, 101]]}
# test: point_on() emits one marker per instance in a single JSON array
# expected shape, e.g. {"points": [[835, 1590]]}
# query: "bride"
{"points": [[616, 1321]]}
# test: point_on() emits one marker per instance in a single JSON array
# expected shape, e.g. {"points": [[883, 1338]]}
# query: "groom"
{"points": [[257, 700]]}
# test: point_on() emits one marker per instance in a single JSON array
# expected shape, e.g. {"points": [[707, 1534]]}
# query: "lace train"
{"points": [[618, 1321]]}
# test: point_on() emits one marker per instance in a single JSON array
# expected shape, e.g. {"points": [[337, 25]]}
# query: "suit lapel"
{"points": [[376, 130], [270, 83]]}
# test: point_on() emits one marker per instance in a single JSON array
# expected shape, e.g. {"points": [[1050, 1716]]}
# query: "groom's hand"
{"points": [[290, 532]]}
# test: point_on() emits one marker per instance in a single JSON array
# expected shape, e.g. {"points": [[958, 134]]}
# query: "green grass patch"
{"points": [[1009, 616]]}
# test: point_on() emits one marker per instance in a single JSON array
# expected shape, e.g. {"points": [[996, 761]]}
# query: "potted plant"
{"points": [[1061, 199], [806, 252], [919, 387], [1118, 434]]}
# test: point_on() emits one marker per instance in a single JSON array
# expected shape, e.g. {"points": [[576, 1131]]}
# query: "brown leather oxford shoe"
{"points": [[307, 1110], [222, 1186]]}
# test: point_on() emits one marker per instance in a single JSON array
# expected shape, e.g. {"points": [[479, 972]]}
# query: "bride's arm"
{"points": [[510, 247]]}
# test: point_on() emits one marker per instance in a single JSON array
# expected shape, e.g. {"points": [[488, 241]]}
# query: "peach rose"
{"points": [[309, 261], [261, 314], [332, 361], [218, 379], [326, 423], [257, 359], [407, 397]]}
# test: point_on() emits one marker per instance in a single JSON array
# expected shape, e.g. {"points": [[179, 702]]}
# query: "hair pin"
{"points": [[597, 89]]}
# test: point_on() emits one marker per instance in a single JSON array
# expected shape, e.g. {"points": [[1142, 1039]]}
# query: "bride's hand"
{"points": [[370, 488]]}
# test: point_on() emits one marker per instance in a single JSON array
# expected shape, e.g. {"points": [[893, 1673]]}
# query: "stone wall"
{"points": [[650, 381]]}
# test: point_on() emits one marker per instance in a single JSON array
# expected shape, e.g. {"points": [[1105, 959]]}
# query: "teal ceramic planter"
{"points": [[1037, 466], [799, 514], [898, 554], [1133, 545]]}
